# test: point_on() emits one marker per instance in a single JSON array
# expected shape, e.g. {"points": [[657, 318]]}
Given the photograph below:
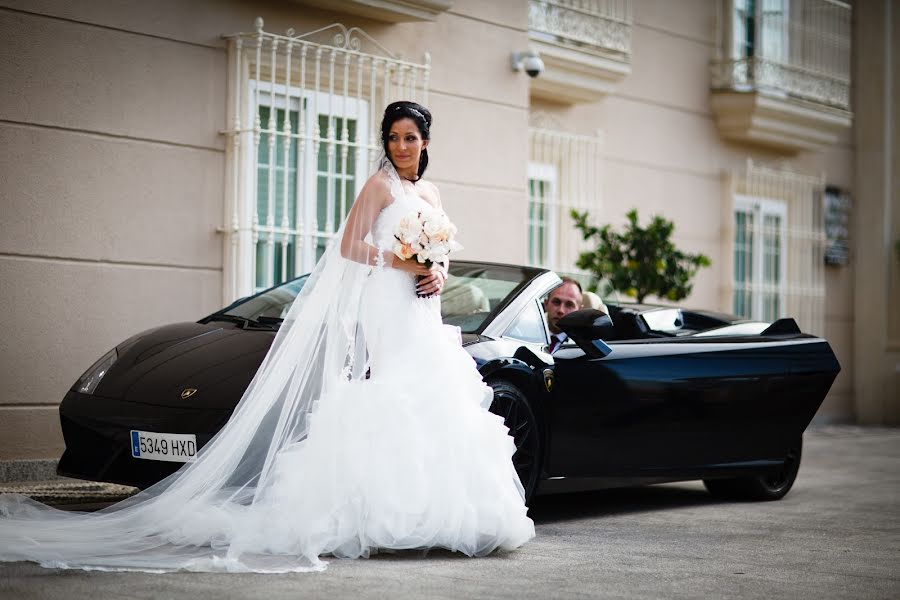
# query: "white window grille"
{"points": [[760, 263], [796, 48], [775, 246], [542, 215], [305, 111], [565, 173]]}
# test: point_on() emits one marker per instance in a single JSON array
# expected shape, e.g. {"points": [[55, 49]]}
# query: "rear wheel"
{"points": [[771, 486], [510, 403]]}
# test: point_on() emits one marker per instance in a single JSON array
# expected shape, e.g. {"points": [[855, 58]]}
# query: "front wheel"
{"points": [[771, 486], [511, 404]]}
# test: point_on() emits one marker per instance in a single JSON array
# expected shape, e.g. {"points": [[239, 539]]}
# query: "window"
{"points": [[770, 18], [529, 325], [743, 38], [759, 258], [564, 173], [774, 29], [776, 245], [541, 214], [474, 290], [296, 218], [300, 141]]}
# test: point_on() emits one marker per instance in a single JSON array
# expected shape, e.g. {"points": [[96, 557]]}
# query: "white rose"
{"points": [[410, 227], [432, 227]]}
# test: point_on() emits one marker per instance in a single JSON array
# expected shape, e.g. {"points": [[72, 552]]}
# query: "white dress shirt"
{"points": [[561, 339]]}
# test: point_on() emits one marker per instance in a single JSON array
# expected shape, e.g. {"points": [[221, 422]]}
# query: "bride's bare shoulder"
{"points": [[378, 181], [377, 188]]}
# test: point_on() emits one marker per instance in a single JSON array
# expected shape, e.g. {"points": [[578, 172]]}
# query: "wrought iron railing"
{"points": [[595, 26], [799, 49], [798, 240], [565, 173], [304, 112]]}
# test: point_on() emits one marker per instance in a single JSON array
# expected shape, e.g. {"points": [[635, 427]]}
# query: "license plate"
{"points": [[173, 447]]}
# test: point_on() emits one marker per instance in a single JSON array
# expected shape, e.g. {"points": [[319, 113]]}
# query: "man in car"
{"points": [[562, 300]]}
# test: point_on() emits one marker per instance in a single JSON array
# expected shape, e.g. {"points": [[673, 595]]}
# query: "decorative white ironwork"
{"points": [[596, 26], [566, 168], [304, 116], [787, 232], [799, 48]]}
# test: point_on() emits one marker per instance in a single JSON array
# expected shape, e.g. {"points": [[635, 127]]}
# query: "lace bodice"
{"points": [[387, 220]]}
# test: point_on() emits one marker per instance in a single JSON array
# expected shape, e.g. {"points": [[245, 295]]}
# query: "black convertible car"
{"points": [[645, 394]]}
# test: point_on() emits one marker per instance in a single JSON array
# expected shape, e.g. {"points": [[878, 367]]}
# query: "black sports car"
{"points": [[645, 394]]}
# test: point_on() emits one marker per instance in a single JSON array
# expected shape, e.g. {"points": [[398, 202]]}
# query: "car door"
{"points": [[677, 406], [602, 414]]}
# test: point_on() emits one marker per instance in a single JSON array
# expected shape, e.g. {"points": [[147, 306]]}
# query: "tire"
{"points": [[510, 404], [771, 486]]}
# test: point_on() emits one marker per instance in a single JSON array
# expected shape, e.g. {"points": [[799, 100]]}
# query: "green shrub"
{"points": [[639, 261]]}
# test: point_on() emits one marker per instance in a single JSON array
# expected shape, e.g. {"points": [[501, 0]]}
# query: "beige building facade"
{"points": [[161, 159]]}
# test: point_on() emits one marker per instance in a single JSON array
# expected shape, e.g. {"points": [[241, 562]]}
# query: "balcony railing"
{"points": [[800, 49], [585, 45], [600, 27]]}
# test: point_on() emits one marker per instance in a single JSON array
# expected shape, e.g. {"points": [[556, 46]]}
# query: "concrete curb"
{"points": [[65, 492], [38, 480], [41, 469]]}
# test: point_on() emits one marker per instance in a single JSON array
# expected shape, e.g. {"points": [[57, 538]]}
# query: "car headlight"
{"points": [[91, 378]]}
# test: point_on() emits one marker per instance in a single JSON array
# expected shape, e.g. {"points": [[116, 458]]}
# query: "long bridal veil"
{"points": [[204, 516]]}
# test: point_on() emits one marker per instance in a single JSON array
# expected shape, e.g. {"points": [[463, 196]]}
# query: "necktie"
{"points": [[554, 344]]}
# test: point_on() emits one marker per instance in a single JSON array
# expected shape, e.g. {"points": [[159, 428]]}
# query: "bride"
{"points": [[365, 428]]}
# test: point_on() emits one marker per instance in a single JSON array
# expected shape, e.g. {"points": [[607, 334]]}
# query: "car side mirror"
{"points": [[587, 327]]}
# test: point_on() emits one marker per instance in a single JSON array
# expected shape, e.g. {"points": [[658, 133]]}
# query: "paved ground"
{"points": [[836, 535]]}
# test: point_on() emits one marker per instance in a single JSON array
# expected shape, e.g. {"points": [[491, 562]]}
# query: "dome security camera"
{"points": [[529, 61]]}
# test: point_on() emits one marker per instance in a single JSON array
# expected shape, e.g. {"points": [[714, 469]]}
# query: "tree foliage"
{"points": [[639, 261]]}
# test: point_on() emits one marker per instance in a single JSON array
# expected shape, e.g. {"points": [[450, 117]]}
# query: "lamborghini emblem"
{"points": [[188, 392], [548, 379]]}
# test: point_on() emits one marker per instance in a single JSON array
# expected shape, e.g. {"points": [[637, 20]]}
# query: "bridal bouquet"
{"points": [[426, 236]]}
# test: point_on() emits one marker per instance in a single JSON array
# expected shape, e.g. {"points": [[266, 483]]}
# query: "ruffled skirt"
{"points": [[408, 458]]}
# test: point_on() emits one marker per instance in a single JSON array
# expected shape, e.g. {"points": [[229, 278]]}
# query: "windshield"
{"points": [[475, 292], [272, 303], [472, 294]]}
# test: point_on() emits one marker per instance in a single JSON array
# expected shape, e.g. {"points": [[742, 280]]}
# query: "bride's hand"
{"points": [[433, 283], [412, 266]]}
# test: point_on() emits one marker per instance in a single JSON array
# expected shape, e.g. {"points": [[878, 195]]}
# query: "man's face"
{"points": [[561, 301]]}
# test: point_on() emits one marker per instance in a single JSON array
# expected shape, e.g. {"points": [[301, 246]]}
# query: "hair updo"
{"points": [[420, 115]]}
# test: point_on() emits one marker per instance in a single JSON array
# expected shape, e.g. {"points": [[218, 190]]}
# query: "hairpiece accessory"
{"points": [[412, 110]]}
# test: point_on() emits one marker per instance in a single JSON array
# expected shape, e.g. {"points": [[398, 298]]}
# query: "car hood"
{"points": [[217, 360]]}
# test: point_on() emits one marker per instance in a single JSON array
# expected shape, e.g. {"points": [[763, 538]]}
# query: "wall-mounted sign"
{"points": [[837, 226]]}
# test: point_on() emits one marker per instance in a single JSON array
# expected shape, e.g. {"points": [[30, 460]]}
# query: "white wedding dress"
{"points": [[408, 458], [386, 446]]}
